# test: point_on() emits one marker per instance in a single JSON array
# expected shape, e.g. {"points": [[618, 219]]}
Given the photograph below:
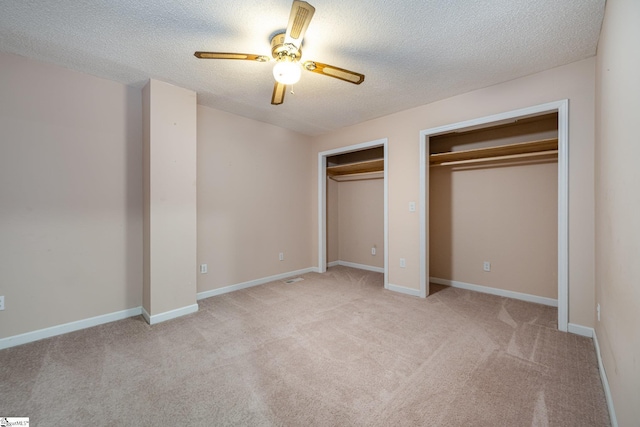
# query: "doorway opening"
{"points": [[559, 107], [323, 161]]}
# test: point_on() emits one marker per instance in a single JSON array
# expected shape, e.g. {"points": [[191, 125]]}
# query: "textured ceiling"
{"points": [[412, 52]]}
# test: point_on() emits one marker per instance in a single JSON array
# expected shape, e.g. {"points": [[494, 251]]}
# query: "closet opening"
{"points": [[494, 198], [352, 201]]}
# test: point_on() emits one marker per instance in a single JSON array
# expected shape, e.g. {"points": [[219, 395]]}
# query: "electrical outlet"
{"points": [[412, 206], [2, 303], [373, 250], [403, 263], [486, 266], [281, 256], [203, 268], [598, 310]]}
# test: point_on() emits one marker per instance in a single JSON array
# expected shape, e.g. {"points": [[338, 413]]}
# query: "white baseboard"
{"points": [[585, 331], [67, 327], [333, 263], [251, 283], [494, 291], [359, 266], [152, 320], [605, 382], [168, 315], [404, 290]]}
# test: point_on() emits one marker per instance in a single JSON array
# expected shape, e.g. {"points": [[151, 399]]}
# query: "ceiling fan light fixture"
{"points": [[287, 53], [287, 71]]}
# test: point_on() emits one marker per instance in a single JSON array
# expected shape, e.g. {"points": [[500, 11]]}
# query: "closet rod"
{"points": [[496, 158]]}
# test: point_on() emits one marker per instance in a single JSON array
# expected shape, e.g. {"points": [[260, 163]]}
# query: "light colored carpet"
{"points": [[333, 350]]}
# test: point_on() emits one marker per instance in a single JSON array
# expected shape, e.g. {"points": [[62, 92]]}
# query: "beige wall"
{"points": [[575, 81], [504, 213], [70, 196], [169, 197], [361, 222], [618, 205], [254, 200]]}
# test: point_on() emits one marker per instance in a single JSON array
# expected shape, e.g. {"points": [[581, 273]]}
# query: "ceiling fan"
{"points": [[286, 51]]}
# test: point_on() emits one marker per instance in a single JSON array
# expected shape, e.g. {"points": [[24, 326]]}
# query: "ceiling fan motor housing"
{"points": [[279, 48]]}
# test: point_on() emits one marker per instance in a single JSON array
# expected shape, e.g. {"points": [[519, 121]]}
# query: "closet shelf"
{"points": [[376, 165], [522, 149]]}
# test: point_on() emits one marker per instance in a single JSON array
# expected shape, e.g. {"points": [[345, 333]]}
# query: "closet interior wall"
{"points": [[504, 212]]}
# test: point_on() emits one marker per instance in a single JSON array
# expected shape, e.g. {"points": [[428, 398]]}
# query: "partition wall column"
{"points": [[169, 114]]}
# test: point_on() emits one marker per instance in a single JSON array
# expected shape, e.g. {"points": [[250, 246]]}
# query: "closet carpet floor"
{"points": [[334, 349]]}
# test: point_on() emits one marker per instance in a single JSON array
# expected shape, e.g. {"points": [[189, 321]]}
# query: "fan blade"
{"points": [[336, 72], [278, 93], [226, 55], [301, 14]]}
